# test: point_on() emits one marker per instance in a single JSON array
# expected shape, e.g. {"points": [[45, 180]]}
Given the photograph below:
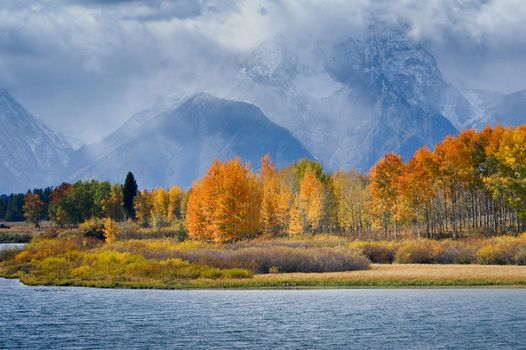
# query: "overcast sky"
{"points": [[85, 66]]}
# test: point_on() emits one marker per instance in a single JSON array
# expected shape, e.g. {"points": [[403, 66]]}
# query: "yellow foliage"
{"points": [[143, 207], [297, 218], [312, 200], [174, 204], [110, 230]]}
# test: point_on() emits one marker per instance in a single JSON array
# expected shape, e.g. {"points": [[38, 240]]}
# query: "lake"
{"points": [[78, 318]]}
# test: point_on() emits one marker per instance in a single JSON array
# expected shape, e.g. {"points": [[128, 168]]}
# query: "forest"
{"points": [[474, 183]]}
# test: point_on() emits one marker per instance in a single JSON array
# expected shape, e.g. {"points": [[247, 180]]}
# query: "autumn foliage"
{"points": [[471, 183], [224, 206]]}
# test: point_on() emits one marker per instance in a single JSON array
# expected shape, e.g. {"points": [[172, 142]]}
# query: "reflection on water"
{"points": [[66, 317]]}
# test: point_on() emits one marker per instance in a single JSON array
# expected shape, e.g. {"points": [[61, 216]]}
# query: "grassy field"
{"points": [[21, 232]]}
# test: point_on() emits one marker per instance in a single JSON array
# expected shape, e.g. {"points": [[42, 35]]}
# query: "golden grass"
{"points": [[23, 227], [409, 273]]}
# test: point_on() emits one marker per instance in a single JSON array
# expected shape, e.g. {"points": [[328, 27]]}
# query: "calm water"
{"points": [[11, 245], [79, 318]]}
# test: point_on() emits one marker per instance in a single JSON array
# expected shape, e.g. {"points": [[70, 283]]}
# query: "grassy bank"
{"points": [[309, 262], [378, 276]]}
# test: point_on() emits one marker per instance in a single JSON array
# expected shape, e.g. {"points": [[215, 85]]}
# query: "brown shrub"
{"points": [[259, 259], [378, 252], [456, 252]]}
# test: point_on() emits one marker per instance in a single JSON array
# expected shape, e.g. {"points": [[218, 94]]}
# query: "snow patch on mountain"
{"points": [[31, 154]]}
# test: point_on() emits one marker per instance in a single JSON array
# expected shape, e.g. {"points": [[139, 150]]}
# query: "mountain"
{"points": [[31, 155], [176, 142], [493, 108], [355, 99]]}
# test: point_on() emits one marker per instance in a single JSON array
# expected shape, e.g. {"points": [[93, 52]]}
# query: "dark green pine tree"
{"points": [[3, 206], [130, 191]]}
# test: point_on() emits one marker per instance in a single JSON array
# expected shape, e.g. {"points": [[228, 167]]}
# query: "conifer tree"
{"points": [[129, 191]]}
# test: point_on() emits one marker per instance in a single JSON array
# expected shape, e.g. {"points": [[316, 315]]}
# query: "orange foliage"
{"points": [[225, 205]]}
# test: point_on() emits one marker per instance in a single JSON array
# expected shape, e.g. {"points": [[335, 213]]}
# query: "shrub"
{"points": [[112, 266], [378, 252], [93, 228], [494, 255], [40, 249], [520, 257], [9, 253], [273, 269], [9, 237], [456, 252], [262, 260], [175, 232], [418, 252], [501, 250]]}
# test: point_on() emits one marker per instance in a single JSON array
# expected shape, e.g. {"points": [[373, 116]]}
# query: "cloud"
{"points": [[86, 65]]}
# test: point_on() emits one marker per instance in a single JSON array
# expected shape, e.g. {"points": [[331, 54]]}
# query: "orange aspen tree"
{"points": [[225, 205], [268, 213], [33, 208], [385, 189], [417, 187]]}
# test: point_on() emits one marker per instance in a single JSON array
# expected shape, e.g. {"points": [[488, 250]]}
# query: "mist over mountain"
{"points": [[355, 99], [175, 143], [345, 102], [31, 154], [492, 108]]}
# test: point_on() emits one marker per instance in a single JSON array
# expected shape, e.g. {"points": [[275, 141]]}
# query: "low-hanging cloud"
{"points": [[86, 65]]}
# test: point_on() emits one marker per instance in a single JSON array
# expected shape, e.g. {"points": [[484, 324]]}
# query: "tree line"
{"points": [[473, 182]]}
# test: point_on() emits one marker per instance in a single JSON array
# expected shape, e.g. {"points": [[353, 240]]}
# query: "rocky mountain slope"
{"points": [[31, 154], [382, 93]]}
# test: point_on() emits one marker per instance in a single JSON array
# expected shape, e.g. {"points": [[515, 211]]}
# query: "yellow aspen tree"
{"points": [[143, 207], [283, 206], [312, 199], [160, 202], [344, 214], [297, 218], [113, 205], [174, 204]]}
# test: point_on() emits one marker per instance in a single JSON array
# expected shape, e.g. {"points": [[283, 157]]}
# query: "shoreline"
{"points": [[379, 276]]}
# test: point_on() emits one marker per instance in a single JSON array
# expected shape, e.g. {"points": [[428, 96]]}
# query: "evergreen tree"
{"points": [[14, 211], [129, 191], [3, 206]]}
